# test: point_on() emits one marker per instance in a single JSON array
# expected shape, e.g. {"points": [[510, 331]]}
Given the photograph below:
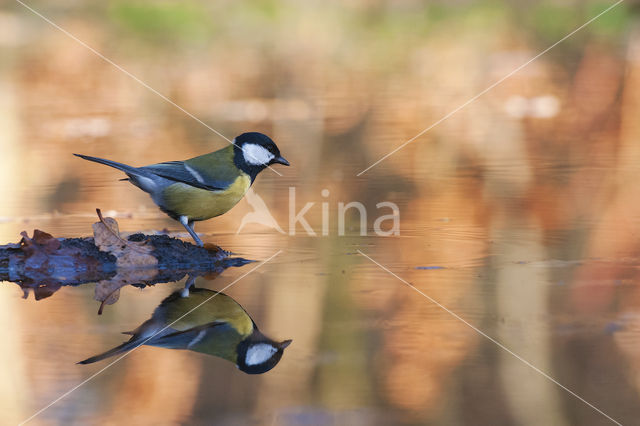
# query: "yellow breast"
{"points": [[218, 308], [199, 204]]}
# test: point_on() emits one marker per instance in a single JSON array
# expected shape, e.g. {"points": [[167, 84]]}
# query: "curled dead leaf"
{"points": [[106, 236]]}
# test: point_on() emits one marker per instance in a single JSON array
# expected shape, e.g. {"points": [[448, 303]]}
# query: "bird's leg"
{"points": [[191, 280], [188, 224], [191, 224]]}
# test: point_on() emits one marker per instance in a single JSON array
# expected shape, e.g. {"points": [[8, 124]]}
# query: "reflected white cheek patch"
{"points": [[259, 353]]}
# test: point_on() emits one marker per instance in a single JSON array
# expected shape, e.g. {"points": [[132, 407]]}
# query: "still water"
{"points": [[508, 296]]}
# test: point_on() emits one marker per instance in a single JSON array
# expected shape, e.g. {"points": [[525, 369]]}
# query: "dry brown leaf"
{"points": [[106, 236], [41, 241]]}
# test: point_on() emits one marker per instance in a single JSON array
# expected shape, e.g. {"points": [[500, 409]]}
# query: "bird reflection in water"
{"points": [[219, 327]]}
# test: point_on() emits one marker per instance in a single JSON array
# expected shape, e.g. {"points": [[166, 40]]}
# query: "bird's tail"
{"points": [[126, 346], [125, 168]]}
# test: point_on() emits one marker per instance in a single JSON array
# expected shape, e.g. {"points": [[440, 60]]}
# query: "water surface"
{"points": [[519, 214]]}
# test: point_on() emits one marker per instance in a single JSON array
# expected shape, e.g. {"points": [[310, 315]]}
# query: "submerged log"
{"points": [[44, 263]]}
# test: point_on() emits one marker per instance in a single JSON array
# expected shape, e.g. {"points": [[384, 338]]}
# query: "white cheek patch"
{"points": [[256, 155], [259, 353]]}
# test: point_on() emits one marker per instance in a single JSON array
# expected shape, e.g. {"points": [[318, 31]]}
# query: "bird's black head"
{"points": [[259, 354], [255, 151]]}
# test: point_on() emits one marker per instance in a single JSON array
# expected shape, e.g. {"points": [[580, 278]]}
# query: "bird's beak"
{"points": [[284, 344], [280, 160]]}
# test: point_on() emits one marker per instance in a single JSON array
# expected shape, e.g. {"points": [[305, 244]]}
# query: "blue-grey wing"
{"points": [[185, 339], [178, 171]]}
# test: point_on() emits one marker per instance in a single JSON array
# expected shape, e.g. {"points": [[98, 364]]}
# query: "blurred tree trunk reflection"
{"points": [[522, 295]]}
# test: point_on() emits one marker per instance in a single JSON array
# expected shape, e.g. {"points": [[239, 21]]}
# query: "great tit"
{"points": [[220, 327], [206, 186]]}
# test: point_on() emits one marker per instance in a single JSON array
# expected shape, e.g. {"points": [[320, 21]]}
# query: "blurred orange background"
{"points": [[520, 212]]}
